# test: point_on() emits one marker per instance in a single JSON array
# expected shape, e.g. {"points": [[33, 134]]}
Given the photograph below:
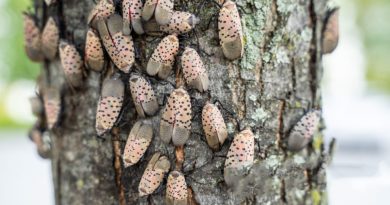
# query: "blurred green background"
{"points": [[372, 18], [15, 68]]}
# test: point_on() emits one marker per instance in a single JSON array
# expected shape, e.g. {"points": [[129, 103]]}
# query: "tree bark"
{"points": [[268, 90]]}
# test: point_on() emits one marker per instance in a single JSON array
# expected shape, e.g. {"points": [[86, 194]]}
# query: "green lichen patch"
{"points": [[260, 115], [299, 194], [272, 162], [267, 57], [279, 51], [298, 159], [316, 197], [80, 184], [286, 6], [230, 128], [253, 24], [317, 142], [281, 55], [253, 98], [276, 183]]}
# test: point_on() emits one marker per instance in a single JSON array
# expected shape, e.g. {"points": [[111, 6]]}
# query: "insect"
{"points": [[176, 189], [71, 63], [50, 38], [36, 106], [110, 104], [162, 10], [220, 2], [194, 71], [303, 131], [138, 141], [49, 2], [143, 96], [43, 147], [154, 174], [32, 39], [163, 57], [52, 105], [331, 32], [131, 12], [102, 10], [214, 126], [239, 157], [120, 47], [230, 31], [180, 23], [93, 55], [175, 121]]}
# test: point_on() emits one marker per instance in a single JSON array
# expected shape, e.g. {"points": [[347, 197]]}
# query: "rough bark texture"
{"points": [[269, 89]]}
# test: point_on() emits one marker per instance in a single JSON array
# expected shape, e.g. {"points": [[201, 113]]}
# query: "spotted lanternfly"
{"points": [[32, 39], [131, 12], [93, 55], [239, 157], [120, 47], [163, 57], [176, 189], [154, 174], [214, 126], [50, 38], [102, 10], [71, 63], [148, 10], [230, 31], [52, 105], [220, 2], [110, 104], [36, 106], [331, 32], [194, 71], [303, 131], [138, 142], [49, 2], [175, 121], [162, 10], [180, 23], [143, 96], [43, 148]]}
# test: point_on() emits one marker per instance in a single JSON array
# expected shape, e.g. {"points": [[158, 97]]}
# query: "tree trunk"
{"points": [[268, 90]]}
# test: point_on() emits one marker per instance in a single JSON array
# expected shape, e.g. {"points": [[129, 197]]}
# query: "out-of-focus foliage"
{"points": [[14, 62], [374, 22]]}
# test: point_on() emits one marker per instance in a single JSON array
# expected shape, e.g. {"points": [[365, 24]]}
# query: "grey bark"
{"points": [[269, 89]]}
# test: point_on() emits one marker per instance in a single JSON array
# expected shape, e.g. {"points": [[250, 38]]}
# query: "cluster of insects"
{"points": [[111, 33]]}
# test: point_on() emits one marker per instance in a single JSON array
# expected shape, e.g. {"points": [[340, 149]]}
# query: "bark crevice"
{"points": [[313, 57], [117, 166]]}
